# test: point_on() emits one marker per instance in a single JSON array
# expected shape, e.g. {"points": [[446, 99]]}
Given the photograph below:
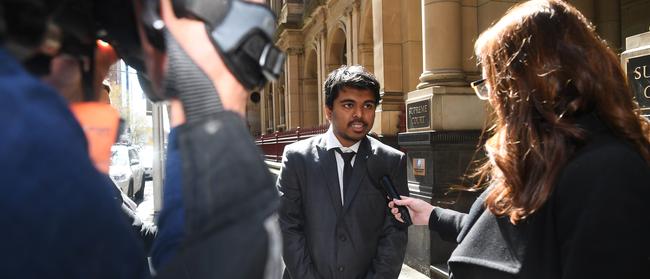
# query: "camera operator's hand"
{"points": [[191, 36], [419, 210]]}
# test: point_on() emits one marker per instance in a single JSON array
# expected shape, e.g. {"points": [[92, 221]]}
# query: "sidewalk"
{"points": [[145, 212], [409, 273]]}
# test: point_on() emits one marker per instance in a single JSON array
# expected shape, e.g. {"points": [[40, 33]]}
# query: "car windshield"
{"points": [[119, 157]]}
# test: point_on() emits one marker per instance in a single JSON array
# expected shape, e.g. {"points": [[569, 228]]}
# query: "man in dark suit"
{"points": [[333, 219]]}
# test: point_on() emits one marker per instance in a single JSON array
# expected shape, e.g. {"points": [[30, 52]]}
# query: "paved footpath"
{"points": [[145, 211], [409, 273]]}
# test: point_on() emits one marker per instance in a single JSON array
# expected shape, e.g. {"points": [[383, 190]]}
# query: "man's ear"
{"points": [[328, 113]]}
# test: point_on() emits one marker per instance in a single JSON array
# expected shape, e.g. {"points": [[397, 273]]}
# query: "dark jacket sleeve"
{"points": [[602, 215], [451, 225], [392, 244], [296, 256], [446, 222]]}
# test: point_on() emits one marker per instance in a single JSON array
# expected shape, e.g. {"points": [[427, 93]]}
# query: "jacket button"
{"points": [[341, 268], [342, 237]]}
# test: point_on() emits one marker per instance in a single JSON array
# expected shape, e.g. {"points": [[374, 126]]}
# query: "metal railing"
{"points": [[273, 144]]}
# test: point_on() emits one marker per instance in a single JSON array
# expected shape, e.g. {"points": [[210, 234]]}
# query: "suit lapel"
{"points": [[327, 163], [358, 172]]}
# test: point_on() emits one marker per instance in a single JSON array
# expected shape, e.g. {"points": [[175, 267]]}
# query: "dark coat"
{"points": [[594, 225], [322, 238], [228, 204], [59, 218]]}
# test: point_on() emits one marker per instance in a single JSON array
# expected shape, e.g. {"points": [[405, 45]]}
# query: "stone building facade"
{"points": [[421, 51]]}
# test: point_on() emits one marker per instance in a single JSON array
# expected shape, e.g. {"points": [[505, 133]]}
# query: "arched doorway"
{"points": [[336, 50], [310, 90]]}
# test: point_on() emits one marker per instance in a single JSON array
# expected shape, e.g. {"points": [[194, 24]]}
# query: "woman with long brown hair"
{"points": [[567, 173]]}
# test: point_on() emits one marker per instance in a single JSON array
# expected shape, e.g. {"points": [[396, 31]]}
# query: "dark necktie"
{"points": [[347, 166]]}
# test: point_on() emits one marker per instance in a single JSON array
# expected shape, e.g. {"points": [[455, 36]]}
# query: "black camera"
{"points": [[242, 33]]}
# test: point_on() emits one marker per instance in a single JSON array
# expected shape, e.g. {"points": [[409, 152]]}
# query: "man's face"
{"points": [[352, 114], [104, 96]]}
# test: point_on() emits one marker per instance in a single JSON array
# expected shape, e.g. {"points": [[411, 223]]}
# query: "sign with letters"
{"points": [[638, 74], [419, 114]]}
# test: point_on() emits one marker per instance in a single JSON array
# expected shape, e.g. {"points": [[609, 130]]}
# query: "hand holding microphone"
{"points": [[378, 173], [419, 210]]}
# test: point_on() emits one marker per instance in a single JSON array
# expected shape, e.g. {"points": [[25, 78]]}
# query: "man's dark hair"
{"points": [[2, 23], [24, 21], [349, 76], [107, 86]]}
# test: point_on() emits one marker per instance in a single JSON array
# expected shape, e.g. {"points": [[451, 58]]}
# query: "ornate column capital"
{"points": [[348, 10], [295, 50], [356, 4]]}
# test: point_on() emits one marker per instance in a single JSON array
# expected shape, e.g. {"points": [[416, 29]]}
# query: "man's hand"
{"points": [[419, 210]]}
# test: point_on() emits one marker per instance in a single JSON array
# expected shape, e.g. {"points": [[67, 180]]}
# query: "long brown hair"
{"points": [[544, 66]]}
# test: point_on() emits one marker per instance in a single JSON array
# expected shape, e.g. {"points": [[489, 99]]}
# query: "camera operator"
{"points": [[60, 219], [218, 215], [99, 120], [219, 200]]}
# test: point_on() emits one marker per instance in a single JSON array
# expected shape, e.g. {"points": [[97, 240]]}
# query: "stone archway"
{"points": [[310, 90], [336, 50]]}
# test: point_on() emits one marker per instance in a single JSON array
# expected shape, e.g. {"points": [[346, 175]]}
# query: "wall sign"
{"points": [[419, 114], [419, 167], [638, 74]]}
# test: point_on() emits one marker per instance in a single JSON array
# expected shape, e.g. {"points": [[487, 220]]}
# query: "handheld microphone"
{"points": [[378, 173]]}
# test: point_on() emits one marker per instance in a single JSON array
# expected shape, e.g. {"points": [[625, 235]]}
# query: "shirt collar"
{"points": [[332, 142]]}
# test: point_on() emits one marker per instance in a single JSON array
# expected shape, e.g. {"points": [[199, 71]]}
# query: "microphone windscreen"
{"points": [[376, 168]]}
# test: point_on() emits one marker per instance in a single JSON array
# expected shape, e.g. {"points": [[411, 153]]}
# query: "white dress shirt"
{"points": [[332, 142]]}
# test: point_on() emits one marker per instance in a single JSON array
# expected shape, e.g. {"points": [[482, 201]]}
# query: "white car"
{"points": [[146, 159], [126, 171]]}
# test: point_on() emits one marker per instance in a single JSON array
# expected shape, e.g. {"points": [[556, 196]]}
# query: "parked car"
{"points": [[127, 171], [146, 159]]}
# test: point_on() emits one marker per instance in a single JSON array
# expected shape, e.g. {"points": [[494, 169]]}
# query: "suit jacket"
{"points": [[594, 224], [322, 237]]}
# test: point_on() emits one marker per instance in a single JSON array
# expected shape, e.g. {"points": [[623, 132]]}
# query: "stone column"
{"points": [[449, 31], [608, 22], [411, 22], [469, 13], [366, 56], [349, 34], [441, 23], [444, 118], [355, 32], [388, 65], [263, 111], [365, 42], [293, 90], [322, 75], [276, 105]]}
